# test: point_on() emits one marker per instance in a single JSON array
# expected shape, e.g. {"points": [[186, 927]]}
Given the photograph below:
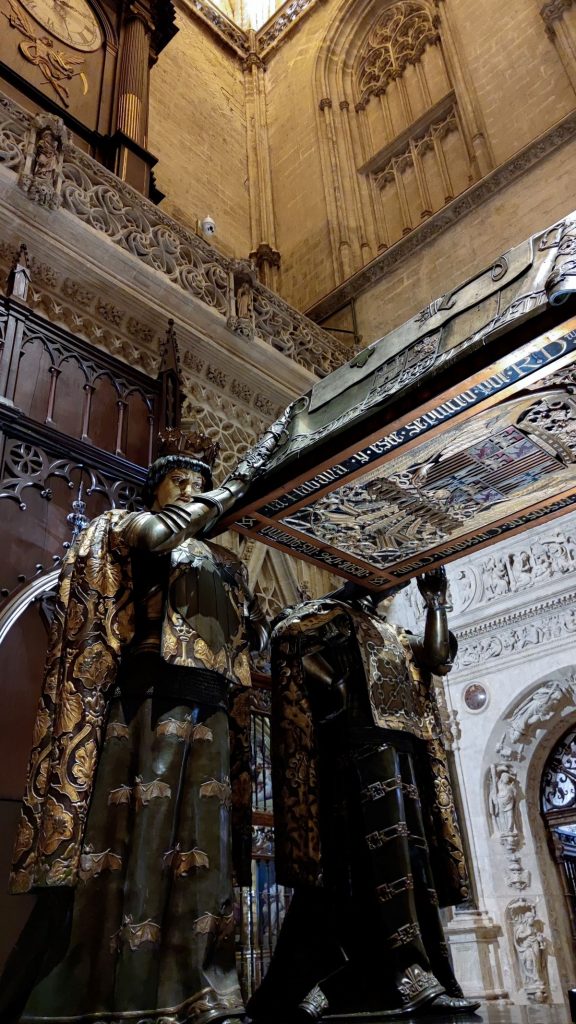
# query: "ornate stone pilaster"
{"points": [[263, 230], [554, 11], [267, 261], [335, 201], [357, 196]]}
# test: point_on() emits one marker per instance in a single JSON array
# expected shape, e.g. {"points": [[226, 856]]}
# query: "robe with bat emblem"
{"points": [[138, 797], [365, 824]]}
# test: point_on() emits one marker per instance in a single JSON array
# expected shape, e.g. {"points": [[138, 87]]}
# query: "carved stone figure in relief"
{"points": [[537, 708], [530, 947], [522, 568], [496, 578], [244, 301], [366, 830], [138, 798], [504, 796], [46, 156]]}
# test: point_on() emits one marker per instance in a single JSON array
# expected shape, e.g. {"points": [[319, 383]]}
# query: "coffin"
{"points": [[453, 431]]}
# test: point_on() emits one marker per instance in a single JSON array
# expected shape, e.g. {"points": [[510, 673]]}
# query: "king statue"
{"points": [[138, 796], [365, 823]]}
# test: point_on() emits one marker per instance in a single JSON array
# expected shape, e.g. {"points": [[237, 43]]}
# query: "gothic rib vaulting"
{"points": [[240, 199]]}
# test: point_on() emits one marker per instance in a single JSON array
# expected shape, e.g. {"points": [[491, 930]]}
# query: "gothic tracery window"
{"points": [[558, 804], [398, 39], [415, 151]]}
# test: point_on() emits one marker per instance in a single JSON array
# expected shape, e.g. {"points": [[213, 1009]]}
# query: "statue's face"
{"points": [[178, 485]]}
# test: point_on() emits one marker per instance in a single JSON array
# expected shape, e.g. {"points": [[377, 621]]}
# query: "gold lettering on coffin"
{"points": [[56, 66]]}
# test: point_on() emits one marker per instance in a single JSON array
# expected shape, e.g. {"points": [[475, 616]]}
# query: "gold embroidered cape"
{"points": [[401, 698], [93, 623]]}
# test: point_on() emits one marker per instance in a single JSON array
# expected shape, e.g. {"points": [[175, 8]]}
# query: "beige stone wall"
{"points": [[510, 83], [198, 132], [521, 86], [533, 202], [302, 229]]}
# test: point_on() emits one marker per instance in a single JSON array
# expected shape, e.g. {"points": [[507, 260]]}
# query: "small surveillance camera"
{"points": [[208, 226]]}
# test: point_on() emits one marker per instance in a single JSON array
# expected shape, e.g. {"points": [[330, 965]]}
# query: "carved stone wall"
{"points": [[510, 697], [370, 163], [416, 147]]}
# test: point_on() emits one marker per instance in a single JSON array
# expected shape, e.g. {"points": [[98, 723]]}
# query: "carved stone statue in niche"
{"points": [[366, 829], [530, 946], [138, 795], [41, 175], [242, 316], [46, 156], [244, 301], [504, 801]]}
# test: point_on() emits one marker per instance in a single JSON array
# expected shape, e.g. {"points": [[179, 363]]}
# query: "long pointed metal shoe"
{"points": [[453, 1004]]}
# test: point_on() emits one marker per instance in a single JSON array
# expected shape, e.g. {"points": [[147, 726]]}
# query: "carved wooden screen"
{"points": [[69, 415]]}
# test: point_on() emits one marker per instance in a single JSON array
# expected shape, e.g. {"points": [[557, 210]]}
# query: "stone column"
{"points": [[264, 252], [336, 205], [132, 116], [365, 239], [133, 163]]}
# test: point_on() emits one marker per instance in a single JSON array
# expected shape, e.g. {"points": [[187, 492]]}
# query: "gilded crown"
{"points": [[192, 444]]}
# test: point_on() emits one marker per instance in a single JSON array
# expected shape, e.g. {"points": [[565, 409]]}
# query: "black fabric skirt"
{"points": [[372, 935]]}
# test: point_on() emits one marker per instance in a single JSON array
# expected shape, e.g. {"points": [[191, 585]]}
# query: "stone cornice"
{"points": [[226, 30], [519, 615], [498, 179], [282, 22]]}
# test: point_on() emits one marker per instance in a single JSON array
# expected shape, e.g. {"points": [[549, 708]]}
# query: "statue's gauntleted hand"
{"points": [[433, 586], [256, 459]]}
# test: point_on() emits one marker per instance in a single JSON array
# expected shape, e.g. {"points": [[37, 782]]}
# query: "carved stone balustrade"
{"points": [[97, 198]]}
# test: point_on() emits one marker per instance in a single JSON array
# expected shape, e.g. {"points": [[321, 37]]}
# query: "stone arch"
{"points": [[526, 881], [353, 160]]}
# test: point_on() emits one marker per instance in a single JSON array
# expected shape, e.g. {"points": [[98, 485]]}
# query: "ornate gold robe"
{"points": [[93, 624]]}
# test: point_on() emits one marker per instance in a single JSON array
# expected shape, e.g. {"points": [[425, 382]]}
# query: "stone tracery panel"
{"points": [[417, 151], [398, 39]]}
